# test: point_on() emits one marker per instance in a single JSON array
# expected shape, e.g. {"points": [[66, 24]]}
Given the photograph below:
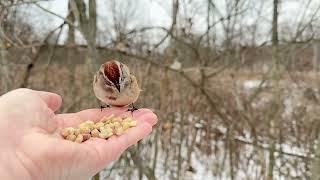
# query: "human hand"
{"points": [[32, 148]]}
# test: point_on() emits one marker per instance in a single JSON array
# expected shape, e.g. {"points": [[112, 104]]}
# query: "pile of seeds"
{"points": [[104, 129]]}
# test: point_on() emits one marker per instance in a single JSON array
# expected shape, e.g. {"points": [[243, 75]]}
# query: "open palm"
{"points": [[33, 148]]}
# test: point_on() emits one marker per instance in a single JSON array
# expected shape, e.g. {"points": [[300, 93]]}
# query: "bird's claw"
{"points": [[132, 109], [103, 107]]}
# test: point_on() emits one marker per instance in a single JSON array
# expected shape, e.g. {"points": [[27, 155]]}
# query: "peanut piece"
{"points": [[64, 132], [98, 125], [85, 130], [125, 126], [106, 129], [107, 119], [71, 137], [89, 122], [79, 138], [132, 123], [76, 132], [105, 135], [86, 137], [95, 133], [119, 131], [116, 124]]}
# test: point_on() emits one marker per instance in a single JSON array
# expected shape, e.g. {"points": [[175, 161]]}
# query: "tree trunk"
{"points": [[275, 38], [315, 56], [275, 59], [88, 28], [4, 68], [71, 31]]}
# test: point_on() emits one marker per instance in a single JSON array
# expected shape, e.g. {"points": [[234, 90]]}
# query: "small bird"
{"points": [[114, 85]]}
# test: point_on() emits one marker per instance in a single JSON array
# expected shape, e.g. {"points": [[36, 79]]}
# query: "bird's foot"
{"points": [[132, 109], [102, 107]]}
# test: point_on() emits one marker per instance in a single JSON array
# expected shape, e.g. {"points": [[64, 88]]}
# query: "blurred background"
{"points": [[234, 82]]}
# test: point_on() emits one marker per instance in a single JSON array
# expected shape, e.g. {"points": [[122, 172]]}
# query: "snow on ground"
{"points": [[205, 166], [252, 84]]}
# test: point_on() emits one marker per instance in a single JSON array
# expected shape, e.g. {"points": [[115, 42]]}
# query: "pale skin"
{"points": [[31, 147]]}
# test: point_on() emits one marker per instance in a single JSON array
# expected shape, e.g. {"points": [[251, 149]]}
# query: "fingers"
{"points": [[131, 137], [24, 95], [145, 115], [52, 100]]}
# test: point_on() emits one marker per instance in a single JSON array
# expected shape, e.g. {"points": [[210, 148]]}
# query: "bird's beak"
{"points": [[118, 87]]}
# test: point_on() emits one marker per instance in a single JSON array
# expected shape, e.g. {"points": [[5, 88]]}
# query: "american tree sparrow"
{"points": [[114, 85]]}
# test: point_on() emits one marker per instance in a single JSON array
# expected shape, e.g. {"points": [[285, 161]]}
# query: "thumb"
{"points": [[52, 100]]}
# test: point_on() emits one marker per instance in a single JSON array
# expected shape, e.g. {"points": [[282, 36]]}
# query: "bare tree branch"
{"points": [[57, 15]]}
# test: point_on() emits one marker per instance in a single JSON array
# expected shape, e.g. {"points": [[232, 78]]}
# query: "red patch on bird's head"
{"points": [[111, 70]]}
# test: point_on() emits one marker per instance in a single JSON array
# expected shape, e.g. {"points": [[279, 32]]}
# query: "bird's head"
{"points": [[115, 74]]}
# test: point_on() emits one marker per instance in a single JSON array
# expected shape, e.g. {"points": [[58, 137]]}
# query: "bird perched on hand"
{"points": [[114, 85]]}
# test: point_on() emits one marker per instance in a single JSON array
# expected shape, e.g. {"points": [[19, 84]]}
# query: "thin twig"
{"points": [[57, 15], [30, 66], [21, 3], [52, 53]]}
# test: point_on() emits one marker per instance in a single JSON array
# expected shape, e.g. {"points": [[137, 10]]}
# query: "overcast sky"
{"points": [[158, 12]]}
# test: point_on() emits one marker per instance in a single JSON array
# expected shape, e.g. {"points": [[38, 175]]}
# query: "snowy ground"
{"points": [[205, 166]]}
